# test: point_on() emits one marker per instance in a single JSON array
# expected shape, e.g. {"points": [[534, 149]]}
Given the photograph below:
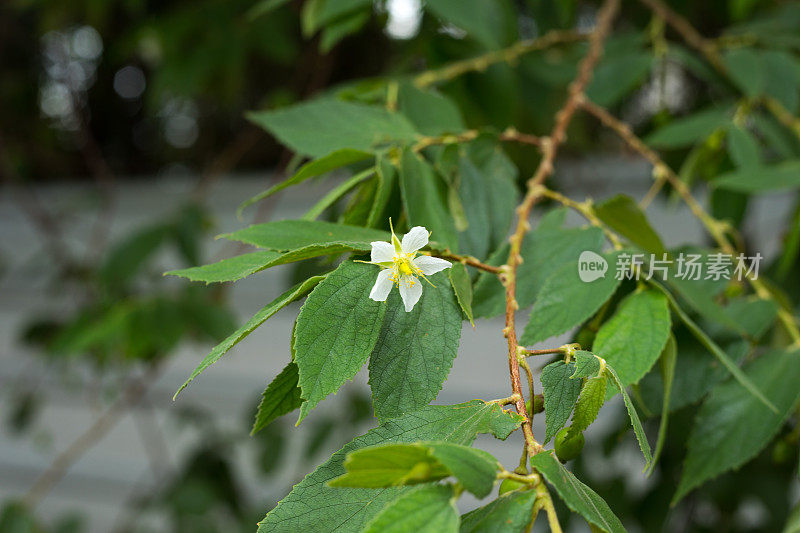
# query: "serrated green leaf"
{"points": [[429, 509], [318, 127], [689, 130], [414, 351], [638, 430], [388, 465], [560, 394], [312, 502], [745, 68], [472, 187], [591, 399], [287, 235], [336, 193], [615, 77], [430, 112], [668, 359], [634, 337], [625, 217], [386, 180], [510, 513], [296, 292], [764, 178], [715, 350], [743, 147], [491, 23], [424, 199], [408, 464], [732, 426], [462, 285], [336, 330], [578, 497], [565, 301], [544, 250], [241, 266], [282, 396], [475, 469], [586, 365], [312, 169]]}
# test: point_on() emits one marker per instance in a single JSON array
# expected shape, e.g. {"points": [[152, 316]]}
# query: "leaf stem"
{"points": [[467, 260]]}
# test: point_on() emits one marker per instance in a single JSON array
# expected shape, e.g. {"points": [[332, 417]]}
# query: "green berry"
{"points": [[538, 405], [568, 447], [509, 485]]}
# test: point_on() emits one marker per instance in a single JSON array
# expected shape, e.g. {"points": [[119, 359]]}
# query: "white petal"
{"points": [[382, 252], [431, 265], [383, 286], [410, 291], [415, 239]]}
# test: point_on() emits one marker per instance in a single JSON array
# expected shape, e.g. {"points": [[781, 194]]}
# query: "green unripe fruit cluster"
{"points": [[568, 446]]}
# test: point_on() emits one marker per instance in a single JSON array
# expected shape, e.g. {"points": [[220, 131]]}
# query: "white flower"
{"points": [[400, 265]]}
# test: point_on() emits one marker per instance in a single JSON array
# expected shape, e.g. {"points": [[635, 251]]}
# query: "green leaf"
{"points": [[127, 257], [386, 180], [387, 465], [312, 169], [625, 217], [782, 78], [668, 360], [462, 285], [593, 395], [298, 291], [429, 509], [424, 199], [565, 301], [510, 513], [415, 350], [638, 430], [336, 193], [765, 178], [318, 127], [689, 130], [634, 337], [282, 396], [732, 426], [544, 250], [339, 29], [430, 112], [586, 365], [287, 235], [475, 469], [336, 329], [617, 76], [407, 464], [743, 147], [560, 394], [792, 523], [578, 497], [472, 191], [715, 350], [489, 22], [746, 70], [312, 502]]}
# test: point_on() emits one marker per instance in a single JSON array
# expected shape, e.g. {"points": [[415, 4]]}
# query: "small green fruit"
{"points": [[538, 405], [509, 485], [568, 448]]}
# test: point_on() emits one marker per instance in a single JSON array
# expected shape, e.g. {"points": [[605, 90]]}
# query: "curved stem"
{"points": [[543, 171]]}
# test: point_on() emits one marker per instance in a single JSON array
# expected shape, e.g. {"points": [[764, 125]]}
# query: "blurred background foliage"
{"points": [[99, 89]]}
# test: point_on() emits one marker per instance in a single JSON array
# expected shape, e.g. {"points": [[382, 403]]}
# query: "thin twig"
{"points": [[545, 168], [505, 55], [715, 228], [133, 393], [468, 260]]}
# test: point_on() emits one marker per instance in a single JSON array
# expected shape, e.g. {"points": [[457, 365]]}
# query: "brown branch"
{"points": [[549, 149], [716, 228], [468, 260]]}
